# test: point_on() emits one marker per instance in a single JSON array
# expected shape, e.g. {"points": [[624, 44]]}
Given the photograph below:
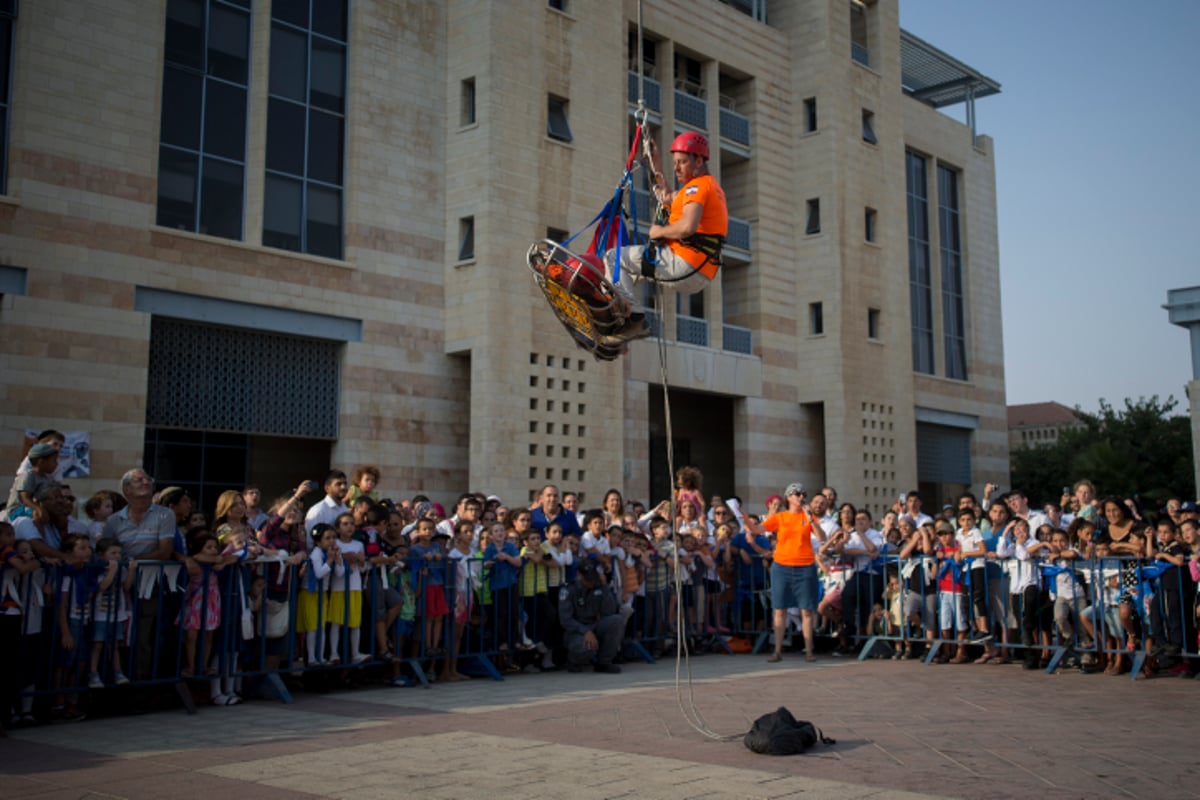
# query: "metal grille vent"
{"points": [[206, 377]]}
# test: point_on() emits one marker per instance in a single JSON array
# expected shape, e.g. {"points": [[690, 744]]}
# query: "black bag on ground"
{"points": [[781, 734]]}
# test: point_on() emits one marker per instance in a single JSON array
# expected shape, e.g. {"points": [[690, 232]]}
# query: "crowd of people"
{"points": [[147, 588]]}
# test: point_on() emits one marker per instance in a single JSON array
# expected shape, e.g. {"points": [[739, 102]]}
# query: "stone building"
{"points": [[1039, 424], [247, 240]]}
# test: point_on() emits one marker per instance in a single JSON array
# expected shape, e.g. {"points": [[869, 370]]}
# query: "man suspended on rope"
{"points": [[685, 253]]}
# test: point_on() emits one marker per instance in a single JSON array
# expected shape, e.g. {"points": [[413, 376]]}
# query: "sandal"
{"points": [[775, 658], [960, 659], [983, 659], [809, 657]]}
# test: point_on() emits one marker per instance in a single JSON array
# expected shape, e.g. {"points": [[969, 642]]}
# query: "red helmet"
{"points": [[691, 142]]}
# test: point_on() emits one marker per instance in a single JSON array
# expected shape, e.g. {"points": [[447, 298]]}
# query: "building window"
{"points": [[953, 307], [813, 219], [557, 5], [810, 114], [920, 285], [873, 323], [8, 14], [868, 127], [816, 319], [557, 126], [869, 224], [466, 114], [466, 239], [556, 235], [306, 107], [202, 129], [859, 50]]}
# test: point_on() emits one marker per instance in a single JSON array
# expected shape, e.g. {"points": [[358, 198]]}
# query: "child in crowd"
{"points": [[952, 600], [345, 594], [429, 558], [408, 584], [202, 605], [689, 487], [99, 507], [363, 483], [974, 552], [503, 561], [464, 583], [720, 595], [77, 589], [1019, 550], [112, 612], [312, 605], [594, 544], [1069, 595], [535, 582], [1175, 593], [21, 596]]}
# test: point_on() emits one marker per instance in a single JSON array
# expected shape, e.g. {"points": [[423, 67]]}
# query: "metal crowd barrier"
{"points": [[1126, 608]]}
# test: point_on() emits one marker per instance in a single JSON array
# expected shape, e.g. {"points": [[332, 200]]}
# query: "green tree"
{"points": [[1141, 449]]}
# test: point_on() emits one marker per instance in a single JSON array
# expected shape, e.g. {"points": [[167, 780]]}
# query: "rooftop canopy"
{"points": [[936, 77]]}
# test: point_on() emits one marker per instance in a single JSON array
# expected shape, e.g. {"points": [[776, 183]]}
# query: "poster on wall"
{"points": [[75, 459]]}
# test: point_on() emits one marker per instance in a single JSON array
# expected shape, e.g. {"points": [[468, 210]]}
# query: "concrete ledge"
{"points": [[697, 369]]}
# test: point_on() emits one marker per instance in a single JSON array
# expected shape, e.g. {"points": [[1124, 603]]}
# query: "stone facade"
{"points": [[461, 376]]}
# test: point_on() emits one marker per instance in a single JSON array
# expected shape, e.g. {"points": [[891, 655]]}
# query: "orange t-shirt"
{"points": [[714, 220], [793, 538]]}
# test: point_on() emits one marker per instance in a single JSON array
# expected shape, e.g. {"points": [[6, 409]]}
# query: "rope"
{"points": [[691, 714]]}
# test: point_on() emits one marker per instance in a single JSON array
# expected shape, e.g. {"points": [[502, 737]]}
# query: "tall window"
{"points": [[466, 114], [812, 221], [8, 13], [860, 51], [202, 133], [557, 125], [953, 315], [810, 114], [306, 127], [920, 284]]}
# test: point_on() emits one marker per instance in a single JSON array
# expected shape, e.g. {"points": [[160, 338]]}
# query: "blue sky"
{"points": [[1097, 148]]}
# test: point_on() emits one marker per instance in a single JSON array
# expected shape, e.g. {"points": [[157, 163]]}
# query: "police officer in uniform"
{"points": [[590, 618]]}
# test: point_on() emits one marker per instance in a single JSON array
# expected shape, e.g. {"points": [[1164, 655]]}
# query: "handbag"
{"points": [[278, 614]]}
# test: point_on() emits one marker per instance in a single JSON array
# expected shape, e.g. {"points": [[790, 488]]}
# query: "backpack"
{"points": [[781, 734]]}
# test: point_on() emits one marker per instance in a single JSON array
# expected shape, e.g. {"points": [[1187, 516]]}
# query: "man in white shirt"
{"points": [[912, 510], [330, 508], [1018, 504]]}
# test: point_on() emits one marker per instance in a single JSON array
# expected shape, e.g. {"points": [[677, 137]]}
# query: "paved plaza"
{"points": [[903, 730]]}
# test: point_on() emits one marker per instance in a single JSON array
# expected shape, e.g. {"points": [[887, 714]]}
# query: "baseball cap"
{"points": [[589, 569], [41, 450], [772, 499], [794, 488], [943, 527]]}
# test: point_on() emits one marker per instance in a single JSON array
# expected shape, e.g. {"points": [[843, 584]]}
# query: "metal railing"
{"points": [[735, 127], [691, 330], [652, 88], [737, 339], [691, 110]]}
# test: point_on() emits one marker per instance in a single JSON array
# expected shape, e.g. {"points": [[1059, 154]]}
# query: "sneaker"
{"points": [[120, 680], [402, 682], [94, 681], [361, 658]]}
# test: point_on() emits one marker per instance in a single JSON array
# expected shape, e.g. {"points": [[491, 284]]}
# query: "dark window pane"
{"points": [[181, 108], [5, 56], [293, 11], [3, 150], [289, 64], [184, 43], [324, 222], [225, 121], [329, 18], [228, 44], [285, 137], [281, 213], [221, 199], [176, 189], [324, 147], [328, 85]]}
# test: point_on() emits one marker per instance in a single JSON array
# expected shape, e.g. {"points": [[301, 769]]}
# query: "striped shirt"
{"points": [[141, 539]]}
